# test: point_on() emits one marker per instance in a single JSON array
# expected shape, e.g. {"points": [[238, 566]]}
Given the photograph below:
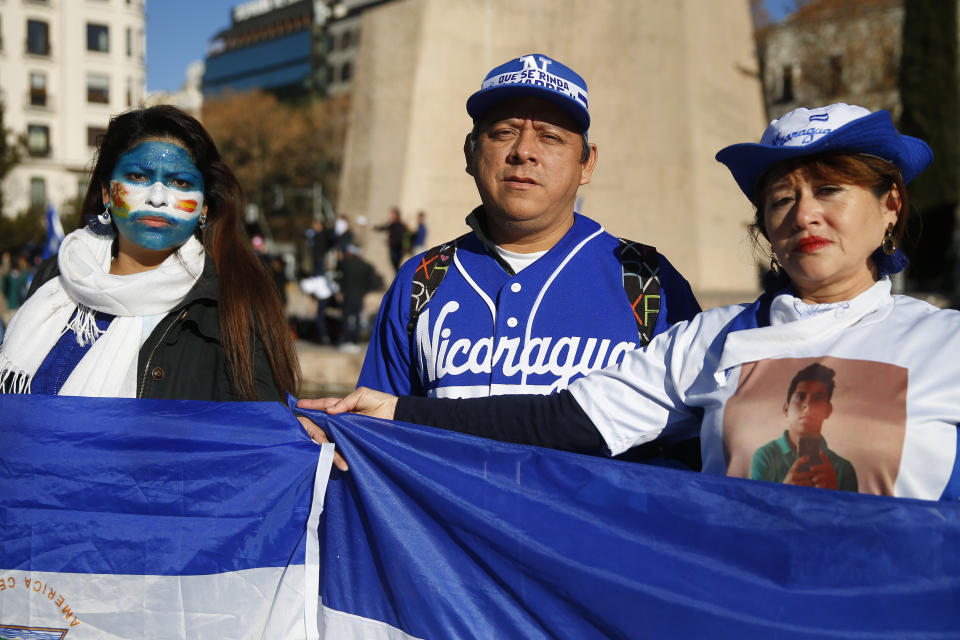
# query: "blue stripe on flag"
{"points": [[443, 535], [91, 485]]}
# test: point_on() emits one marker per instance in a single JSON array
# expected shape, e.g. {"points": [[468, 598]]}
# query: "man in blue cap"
{"points": [[536, 295]]}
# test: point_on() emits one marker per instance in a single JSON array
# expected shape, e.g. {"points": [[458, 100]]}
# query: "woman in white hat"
{"points": [[829, 187]]}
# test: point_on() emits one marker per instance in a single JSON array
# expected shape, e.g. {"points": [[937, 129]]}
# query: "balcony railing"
{"points": [[38, 101]]}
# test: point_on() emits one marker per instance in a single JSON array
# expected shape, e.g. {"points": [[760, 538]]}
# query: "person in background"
{"points": [[16, 282], [158, 295], [396, 237], [342, 233], [320, 240], [322, 289], [6, 263], [5, 267], [357, 279], [278, 273], [418, 238]]}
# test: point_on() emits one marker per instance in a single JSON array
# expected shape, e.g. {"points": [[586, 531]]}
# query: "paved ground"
{"points": [[327, 370]]}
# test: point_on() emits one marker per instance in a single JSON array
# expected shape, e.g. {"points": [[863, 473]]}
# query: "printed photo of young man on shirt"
{"points": [[819, 421], [800, 456]]}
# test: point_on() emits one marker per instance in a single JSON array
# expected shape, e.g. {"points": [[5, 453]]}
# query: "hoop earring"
{"points": [[203, 221], [889, 243], [105, 217]]}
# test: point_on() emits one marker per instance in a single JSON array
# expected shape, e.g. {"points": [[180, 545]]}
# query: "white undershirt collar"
{"points": [[518, 261]]}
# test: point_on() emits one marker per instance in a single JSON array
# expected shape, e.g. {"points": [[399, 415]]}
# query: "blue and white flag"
{"points": [[438, 535], [168, 519], [54, 232], [157, 519]]}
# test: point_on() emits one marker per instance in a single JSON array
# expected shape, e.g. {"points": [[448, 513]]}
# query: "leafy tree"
{"points": [[928, 90], [279, 151]]}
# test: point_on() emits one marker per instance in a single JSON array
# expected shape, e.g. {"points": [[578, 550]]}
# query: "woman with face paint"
{"points": [[158, 295]]}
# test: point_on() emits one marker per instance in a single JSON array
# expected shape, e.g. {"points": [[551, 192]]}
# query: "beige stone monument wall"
{"points": [[670, 83]]}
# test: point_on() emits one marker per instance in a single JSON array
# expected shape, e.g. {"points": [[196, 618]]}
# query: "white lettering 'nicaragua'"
{"points": [[563, 357]]}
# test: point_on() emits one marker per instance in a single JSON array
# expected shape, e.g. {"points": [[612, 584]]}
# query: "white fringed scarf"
{"points": [[109, 368]]}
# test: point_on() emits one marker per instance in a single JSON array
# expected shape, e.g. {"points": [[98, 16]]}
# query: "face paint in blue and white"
{"points": [[156, 195]]}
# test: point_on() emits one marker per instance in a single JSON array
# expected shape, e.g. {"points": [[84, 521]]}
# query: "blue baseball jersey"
{"points": [[487, 332]]}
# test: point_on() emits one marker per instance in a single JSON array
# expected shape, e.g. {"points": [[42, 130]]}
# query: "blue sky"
{"points": [[179, 32]]}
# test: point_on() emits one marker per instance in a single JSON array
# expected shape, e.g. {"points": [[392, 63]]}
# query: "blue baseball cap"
{"points": [[835, 128], [533, 75]]}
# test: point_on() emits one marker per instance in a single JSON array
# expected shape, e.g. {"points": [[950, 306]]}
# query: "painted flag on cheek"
{"points": [[186, 205], [157, 519]]}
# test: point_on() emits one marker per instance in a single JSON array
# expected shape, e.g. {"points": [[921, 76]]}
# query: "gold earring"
{"points": [[889, 243], [775, 266]]}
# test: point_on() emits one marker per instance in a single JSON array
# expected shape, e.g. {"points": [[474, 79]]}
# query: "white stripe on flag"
{"points": [[311, 573]]}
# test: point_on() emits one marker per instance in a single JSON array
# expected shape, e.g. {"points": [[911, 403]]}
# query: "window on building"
{"points": [[98, 37], [38, 140], [786, 86], [38, 192], [38, 89], [345, 39], [331, 42], [94, 134], [129, 91], [129, 35], [38, 38], [98, 88], [835, 80], [346, 71]]}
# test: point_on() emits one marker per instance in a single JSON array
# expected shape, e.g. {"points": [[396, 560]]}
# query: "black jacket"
{"points": [[357, 278], [183, 359]]}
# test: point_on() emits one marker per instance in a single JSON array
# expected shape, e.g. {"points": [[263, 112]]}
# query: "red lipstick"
{"points": [[811, 244]]}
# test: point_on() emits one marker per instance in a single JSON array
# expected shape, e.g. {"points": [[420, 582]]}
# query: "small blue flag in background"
{"points": [[54, 232]]}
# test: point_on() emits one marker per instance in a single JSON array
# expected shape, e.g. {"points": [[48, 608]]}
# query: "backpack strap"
{"points": [[640, 266], [428, 276]]}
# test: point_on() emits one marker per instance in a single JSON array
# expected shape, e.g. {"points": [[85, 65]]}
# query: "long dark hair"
{"points": [[249, 304]]}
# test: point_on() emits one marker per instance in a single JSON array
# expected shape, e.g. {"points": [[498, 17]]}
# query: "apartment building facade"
{"points": [[66, 66]]}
